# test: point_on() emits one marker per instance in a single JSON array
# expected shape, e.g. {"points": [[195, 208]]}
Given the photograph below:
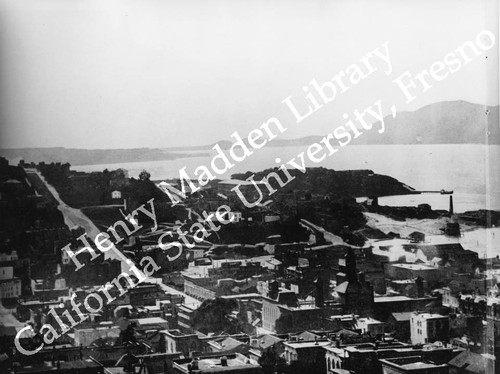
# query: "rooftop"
{"points": [[419, 365], [311, 344], [430, 315], [411, 363], [150, 320], [209, 364], [369, 321], [474, 362], [414, 266], [388, 299], [403, 316]]}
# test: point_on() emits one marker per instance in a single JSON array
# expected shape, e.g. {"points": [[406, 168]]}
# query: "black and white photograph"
{"points": [[249, 187]]}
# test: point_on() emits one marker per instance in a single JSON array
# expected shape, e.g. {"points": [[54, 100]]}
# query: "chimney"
{"points": [[320, 297], [451, 205], [419, 281]]}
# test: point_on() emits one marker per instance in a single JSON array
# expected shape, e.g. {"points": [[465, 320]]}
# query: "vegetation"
{"points": [[271, 361], [322, 181], [214, 315]]}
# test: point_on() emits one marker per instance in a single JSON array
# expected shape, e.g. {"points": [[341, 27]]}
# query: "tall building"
{"points": [[353, 292], [428, 328]]}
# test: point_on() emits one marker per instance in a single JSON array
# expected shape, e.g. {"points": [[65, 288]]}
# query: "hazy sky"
{"points": [[144, 73]]}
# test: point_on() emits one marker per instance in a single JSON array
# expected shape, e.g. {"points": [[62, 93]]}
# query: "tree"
{"points": [[144, 175], [127, 336], [271, 361], [213, 315]]}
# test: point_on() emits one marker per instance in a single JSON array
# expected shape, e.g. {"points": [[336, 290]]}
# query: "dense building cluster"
{"points": [[274, 291]]}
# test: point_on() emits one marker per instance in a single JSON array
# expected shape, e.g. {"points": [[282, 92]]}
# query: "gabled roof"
{"points": [[231, 343], [227, 344], [347, 332]]}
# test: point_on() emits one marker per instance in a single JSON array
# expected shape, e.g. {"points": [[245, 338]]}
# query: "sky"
{"points": [[150, 73]]}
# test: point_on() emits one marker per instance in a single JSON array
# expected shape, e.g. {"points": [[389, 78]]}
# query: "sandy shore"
{"points": [[404, 228], [486, 242]]}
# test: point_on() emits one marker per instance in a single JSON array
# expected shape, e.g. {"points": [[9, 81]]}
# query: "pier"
{"points": [[442, 192]]}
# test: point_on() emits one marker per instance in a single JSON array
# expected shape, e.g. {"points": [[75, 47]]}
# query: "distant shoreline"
{"points": [[90, 157]]}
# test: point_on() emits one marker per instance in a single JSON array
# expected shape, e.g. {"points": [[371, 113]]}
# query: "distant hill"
{"points": [[91, 156], [453, 122]]}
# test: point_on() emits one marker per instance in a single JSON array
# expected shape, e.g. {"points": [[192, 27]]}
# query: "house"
{"points": [[450, 299], [370, 326], [307, 336], [184, 316], [417, 237], [284, 313], [428, 328], [385, 305], [10, 286], [260, 343], [302, 355], [176, 341], [429, 274], [227, 345], [116, 194], [399, 325]]}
